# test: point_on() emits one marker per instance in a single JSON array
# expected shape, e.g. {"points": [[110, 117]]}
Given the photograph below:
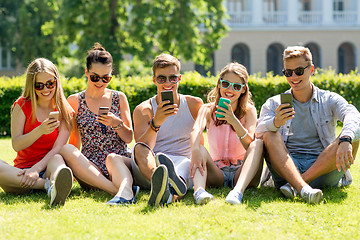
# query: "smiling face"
{"points": [[229, 92], [166, 71], [299, 83], [101, 70], [45, 94]]}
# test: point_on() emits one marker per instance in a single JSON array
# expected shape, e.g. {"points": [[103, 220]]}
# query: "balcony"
{"points": [[275, 18], [345, 17], [310, 17], [240, 18]]}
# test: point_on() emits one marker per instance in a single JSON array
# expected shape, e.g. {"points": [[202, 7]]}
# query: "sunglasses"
{"points": [[96, 78], [298, 71], [161, 79], [49, 84], [236, 86]]}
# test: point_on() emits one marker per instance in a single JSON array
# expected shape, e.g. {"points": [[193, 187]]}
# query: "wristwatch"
{"points": [[345, 139]]}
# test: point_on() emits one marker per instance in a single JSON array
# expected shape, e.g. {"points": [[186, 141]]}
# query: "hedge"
{"points": [[138, 89]]}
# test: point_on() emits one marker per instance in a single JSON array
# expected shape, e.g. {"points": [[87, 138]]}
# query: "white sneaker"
{"points": [[347, 179], [202, 197], [61, 188], [234, 197], [288, 191], [311, 195]]}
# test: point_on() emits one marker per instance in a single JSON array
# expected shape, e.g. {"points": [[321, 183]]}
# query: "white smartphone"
{"points": [[54, 115]]}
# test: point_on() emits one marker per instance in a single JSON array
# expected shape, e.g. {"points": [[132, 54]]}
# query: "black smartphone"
{"points": [[221, 104], [103, 110], [287, 98], [167, 95]]}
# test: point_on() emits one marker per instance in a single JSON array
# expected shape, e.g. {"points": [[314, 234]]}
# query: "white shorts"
{"points": [[181, 163]]}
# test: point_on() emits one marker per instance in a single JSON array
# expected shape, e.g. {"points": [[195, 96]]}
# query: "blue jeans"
{"points": [[303, 162]]}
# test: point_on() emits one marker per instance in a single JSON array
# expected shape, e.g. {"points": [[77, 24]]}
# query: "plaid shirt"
{"points": [[326, 108]]}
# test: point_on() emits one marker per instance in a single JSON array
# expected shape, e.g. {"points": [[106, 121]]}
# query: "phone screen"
{"points": [[167, 95], [103, 110], [221, 104], [287, 98]]}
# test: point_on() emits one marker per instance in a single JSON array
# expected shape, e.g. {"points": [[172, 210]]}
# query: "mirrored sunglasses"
{"points": [[49, 84], [298, 71], [96, 78], [161, 79], [226, 84]]}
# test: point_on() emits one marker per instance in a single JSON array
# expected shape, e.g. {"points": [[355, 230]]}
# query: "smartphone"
{"points": [[167, 95], [103, 110], [287, 98], [222, 104], [54, 115]]}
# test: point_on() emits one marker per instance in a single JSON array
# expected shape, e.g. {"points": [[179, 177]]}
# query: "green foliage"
{"points": [[140, 88]]}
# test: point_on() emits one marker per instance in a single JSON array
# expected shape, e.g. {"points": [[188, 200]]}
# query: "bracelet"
{"points": [[153, 127], [345, 139], [246, 133], [120, 125]]}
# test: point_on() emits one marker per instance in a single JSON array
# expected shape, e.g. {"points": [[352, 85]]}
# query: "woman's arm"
{"points": [[20, 140], [75, 138], [125, 132]]}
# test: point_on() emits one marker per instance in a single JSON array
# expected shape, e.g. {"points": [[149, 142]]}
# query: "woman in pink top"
{"points": [[233, 156]]}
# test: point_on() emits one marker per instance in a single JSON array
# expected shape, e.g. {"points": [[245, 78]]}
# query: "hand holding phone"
{"points": [[54, 115], [103, 111], [167, 95], [222, 104], [287, 98]]}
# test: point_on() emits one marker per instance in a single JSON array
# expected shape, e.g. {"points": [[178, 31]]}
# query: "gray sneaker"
{"points": [[234, 197], [175, 180], [311, 195], [288, 191], [61, 188], [202, 197], [347, 179], [159, 183]]}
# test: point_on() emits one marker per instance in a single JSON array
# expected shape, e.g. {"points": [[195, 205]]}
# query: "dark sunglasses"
{"points": [[49, 84], [161, 79], [96, 78], [298, 71], [236, 86]]}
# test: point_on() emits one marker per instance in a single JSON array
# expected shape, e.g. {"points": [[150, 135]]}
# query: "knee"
{"points": [[140, 153], [57, 159], [67, 151], [112, 157], [271, 138]]}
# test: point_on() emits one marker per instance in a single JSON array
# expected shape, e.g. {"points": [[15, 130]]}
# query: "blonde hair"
{"points": [[244, 99], [165, 60], [297, 51], [45, 65]]}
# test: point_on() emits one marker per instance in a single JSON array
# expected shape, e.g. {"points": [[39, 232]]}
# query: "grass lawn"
{"points": [[265, 214]]}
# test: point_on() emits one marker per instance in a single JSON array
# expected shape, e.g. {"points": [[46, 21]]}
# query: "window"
{"points": [[306, 5], [241, 54], [274, 58], [201, 69], [338, 5]]}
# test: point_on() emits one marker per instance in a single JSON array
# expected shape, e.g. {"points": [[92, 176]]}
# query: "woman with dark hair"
{"points": [[40, 126], [234, 156], [103, 129]]}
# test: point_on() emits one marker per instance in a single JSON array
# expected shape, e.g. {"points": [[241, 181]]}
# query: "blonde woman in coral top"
{"points": [[234, 158]]}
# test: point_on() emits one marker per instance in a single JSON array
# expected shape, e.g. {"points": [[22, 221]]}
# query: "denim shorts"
{"points": [[229, 173], [303, 162]]}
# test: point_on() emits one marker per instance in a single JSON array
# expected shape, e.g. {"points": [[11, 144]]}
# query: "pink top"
{"points": [[224, 145]]}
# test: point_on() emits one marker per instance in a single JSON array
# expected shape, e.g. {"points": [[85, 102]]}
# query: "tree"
{"points": [[188, 29]]}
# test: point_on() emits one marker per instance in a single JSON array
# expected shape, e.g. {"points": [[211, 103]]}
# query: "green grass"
{"points": [[265, 214]]}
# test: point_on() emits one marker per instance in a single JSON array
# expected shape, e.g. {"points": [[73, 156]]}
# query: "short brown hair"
{"points": [[165, 60], [297, 51], [98, 54]]}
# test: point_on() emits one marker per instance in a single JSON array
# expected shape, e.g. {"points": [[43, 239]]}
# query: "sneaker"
{"points": [[347, 179], [136, 190], [266, 178], [311, 195], [61, 188], [159, 183], [234, 197], [121, 201], [202, 197], [288, 191], [176, 182]]}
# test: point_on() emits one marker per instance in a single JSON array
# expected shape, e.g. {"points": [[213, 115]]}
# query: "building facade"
{"points": [[261, 29]]}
